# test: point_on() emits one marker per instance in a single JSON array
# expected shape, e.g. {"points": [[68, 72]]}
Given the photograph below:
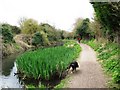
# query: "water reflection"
{"points": [[10, 81], [8, 64], [7, 79]]}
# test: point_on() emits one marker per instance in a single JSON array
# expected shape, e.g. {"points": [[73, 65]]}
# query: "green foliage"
{"points": [[37, 39], [5, 32], [95, 29], [52, 33], [29, 26], [32, 87], [40, 39], [92, 43], [45, 63], [15, 30], [62, 84], [110, 60], [66, 35], [16, 46], [45, 39], [77, 25], [82, 29], [108, 15]]}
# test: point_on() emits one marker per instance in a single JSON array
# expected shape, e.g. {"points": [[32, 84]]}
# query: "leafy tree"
{"points": [[77, 25], [63, 34], [83, 29], [29, 26], [40, 39], [70, 35], [108, 13], [52, 33], [96, 28], [15, 30], [5, 32]]}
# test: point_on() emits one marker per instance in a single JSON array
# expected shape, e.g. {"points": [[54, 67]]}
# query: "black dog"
{"points": [[74, 65]]}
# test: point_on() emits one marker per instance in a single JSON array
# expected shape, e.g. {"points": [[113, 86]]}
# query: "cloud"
{"points": [[60, 13]]}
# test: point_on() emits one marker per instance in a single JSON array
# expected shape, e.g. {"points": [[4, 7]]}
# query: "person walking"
{"points": [[79, 39]]}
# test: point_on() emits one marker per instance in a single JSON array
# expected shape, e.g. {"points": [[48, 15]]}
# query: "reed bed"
{"points": [[47, 62]]}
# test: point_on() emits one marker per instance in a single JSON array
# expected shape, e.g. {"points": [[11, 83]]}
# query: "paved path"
{"points": [[90, 74]]}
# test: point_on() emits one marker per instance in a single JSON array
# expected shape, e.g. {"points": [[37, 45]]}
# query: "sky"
{"points": [[60, 13]]}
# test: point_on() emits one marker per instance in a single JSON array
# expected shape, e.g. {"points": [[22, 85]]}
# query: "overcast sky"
{"points": [[60, 13]]}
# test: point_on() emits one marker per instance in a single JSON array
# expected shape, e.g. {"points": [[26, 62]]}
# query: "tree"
{"points": [[29, 26], [64, 34], [77, 25], [52, 33], [15, 30], [109, 16], [83, 29], [40, 39], [96, 28]]}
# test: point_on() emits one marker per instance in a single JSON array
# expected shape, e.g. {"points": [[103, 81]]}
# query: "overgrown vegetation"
{"points": [[15, 30], [40, 39], [5, 33], [82, 29], [30, 33], [42, 34], [108, 15], [108, 55], [47, 62]]}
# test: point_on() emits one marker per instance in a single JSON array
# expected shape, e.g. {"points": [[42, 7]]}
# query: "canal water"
{"points": [[7, 78]]}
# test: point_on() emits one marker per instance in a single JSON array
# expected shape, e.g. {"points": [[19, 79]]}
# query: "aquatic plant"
{"points": [[47, 62]]}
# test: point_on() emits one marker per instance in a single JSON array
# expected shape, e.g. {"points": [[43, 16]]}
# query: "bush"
{"points": [[15, 30], [40, 39], [111, 62], [45, 39], [52, 33], [5, 32], [37, 39], [29, 26]]}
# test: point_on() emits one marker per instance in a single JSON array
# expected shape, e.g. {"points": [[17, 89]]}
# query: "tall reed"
{"points": [[44, 63]]}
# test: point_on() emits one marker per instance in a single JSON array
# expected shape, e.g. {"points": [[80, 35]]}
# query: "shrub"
{"points": [[5, 32], [37, 39], [40, 39], [29, 26], [52, 33], [15, 30], [45, 39]]}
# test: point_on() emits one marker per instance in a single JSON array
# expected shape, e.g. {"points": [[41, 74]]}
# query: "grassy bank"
{"points": [[44, 64], [108, 55], [10, 48]]}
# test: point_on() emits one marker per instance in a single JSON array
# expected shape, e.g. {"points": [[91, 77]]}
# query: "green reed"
{"points": [[44, 63]]}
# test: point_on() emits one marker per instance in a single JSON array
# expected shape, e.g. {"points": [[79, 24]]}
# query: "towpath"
{"points": [[90, 74]]}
